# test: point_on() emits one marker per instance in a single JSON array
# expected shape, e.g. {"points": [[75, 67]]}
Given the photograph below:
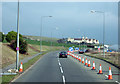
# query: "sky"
{"points": [[69, 19]]}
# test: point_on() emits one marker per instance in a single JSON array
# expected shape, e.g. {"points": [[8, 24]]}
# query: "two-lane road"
{"points": [[51, 68]]}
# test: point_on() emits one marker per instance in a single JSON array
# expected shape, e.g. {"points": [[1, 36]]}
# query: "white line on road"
{"points": [[59, 64], [63, 79], [61, 69], [117, 82]]}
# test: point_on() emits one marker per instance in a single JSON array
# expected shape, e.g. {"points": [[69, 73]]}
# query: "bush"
{"points": [[12, 35], [23, 45], [1, 37]]}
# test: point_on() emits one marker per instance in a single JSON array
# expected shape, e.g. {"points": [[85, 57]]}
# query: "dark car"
{"points": [[82, 51], [63, 54]]}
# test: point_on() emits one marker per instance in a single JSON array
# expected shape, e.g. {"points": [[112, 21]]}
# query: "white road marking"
{"points": [[59, 64], [117, 82], [106, 76], [63, 79], [61, 69]]}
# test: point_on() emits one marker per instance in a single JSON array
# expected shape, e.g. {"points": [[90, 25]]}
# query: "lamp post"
{"points": [[42, 17], [92, 11], [17, 48]]}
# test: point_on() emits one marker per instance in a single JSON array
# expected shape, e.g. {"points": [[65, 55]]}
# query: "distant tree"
{"points": [[68, 42], [12, 35], [1, 36], [23, 45]]}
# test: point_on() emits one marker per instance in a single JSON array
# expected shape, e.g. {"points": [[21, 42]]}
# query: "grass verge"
{"points": [[104, 59], [6, 79]]}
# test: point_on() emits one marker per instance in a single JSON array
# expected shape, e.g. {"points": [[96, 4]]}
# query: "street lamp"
{"points": [[41, 31], [93, 11], [17, 48]]}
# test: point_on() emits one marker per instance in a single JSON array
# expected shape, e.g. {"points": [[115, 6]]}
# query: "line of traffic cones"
{"points": [[87, 63]]}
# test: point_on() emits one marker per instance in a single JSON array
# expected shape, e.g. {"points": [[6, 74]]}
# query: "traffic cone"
{"points": [[89, 63], [73, 55], [100, 70], [86, 61], [77, 57], [93, 68], [21, 68], [82, 59], [110, 74]]}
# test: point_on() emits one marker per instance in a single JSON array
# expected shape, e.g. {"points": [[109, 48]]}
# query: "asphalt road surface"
{"points": [[51, 68]]}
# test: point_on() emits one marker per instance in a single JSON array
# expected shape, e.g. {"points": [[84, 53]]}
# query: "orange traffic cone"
{"points": [[82, 59], [93, 68], [86, 61], [110, 74], [21, 68], [77, 57], [89, 63], [100, 70]]}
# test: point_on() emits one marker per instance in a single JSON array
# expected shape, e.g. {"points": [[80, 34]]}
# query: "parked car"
{"points": [[63, 54]]}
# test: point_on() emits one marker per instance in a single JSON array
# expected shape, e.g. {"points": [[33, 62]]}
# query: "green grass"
{"points": [[43, 38], [48, 43], [104, 59]]}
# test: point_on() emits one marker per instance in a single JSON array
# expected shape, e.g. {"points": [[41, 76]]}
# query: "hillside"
{"points": [[43, 38], [9, 55]]}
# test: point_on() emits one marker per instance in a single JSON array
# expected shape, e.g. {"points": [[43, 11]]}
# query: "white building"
{"points": [[81, 40]]}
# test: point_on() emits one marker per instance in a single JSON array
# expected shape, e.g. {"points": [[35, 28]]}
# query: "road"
{"points": [[50, 68]]}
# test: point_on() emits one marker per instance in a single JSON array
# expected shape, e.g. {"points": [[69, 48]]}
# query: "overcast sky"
{"points": [[70, 19]]}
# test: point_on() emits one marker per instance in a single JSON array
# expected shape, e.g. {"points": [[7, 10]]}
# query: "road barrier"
{"points": [[77, 57], [21, 68], [82, 59], [86, 62], [110, 74], [93, 68], [100, 70], [89, 63]]}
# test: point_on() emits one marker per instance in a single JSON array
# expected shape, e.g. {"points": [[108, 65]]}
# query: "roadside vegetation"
{"points": [[110, 57], [7, 78]]}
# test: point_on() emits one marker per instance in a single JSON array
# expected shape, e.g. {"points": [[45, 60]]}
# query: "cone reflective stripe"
{"points": [[21, 68], [82, 59], [93, 68], [89, 63], [100, 69], [110, 74], [86, 61]]}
